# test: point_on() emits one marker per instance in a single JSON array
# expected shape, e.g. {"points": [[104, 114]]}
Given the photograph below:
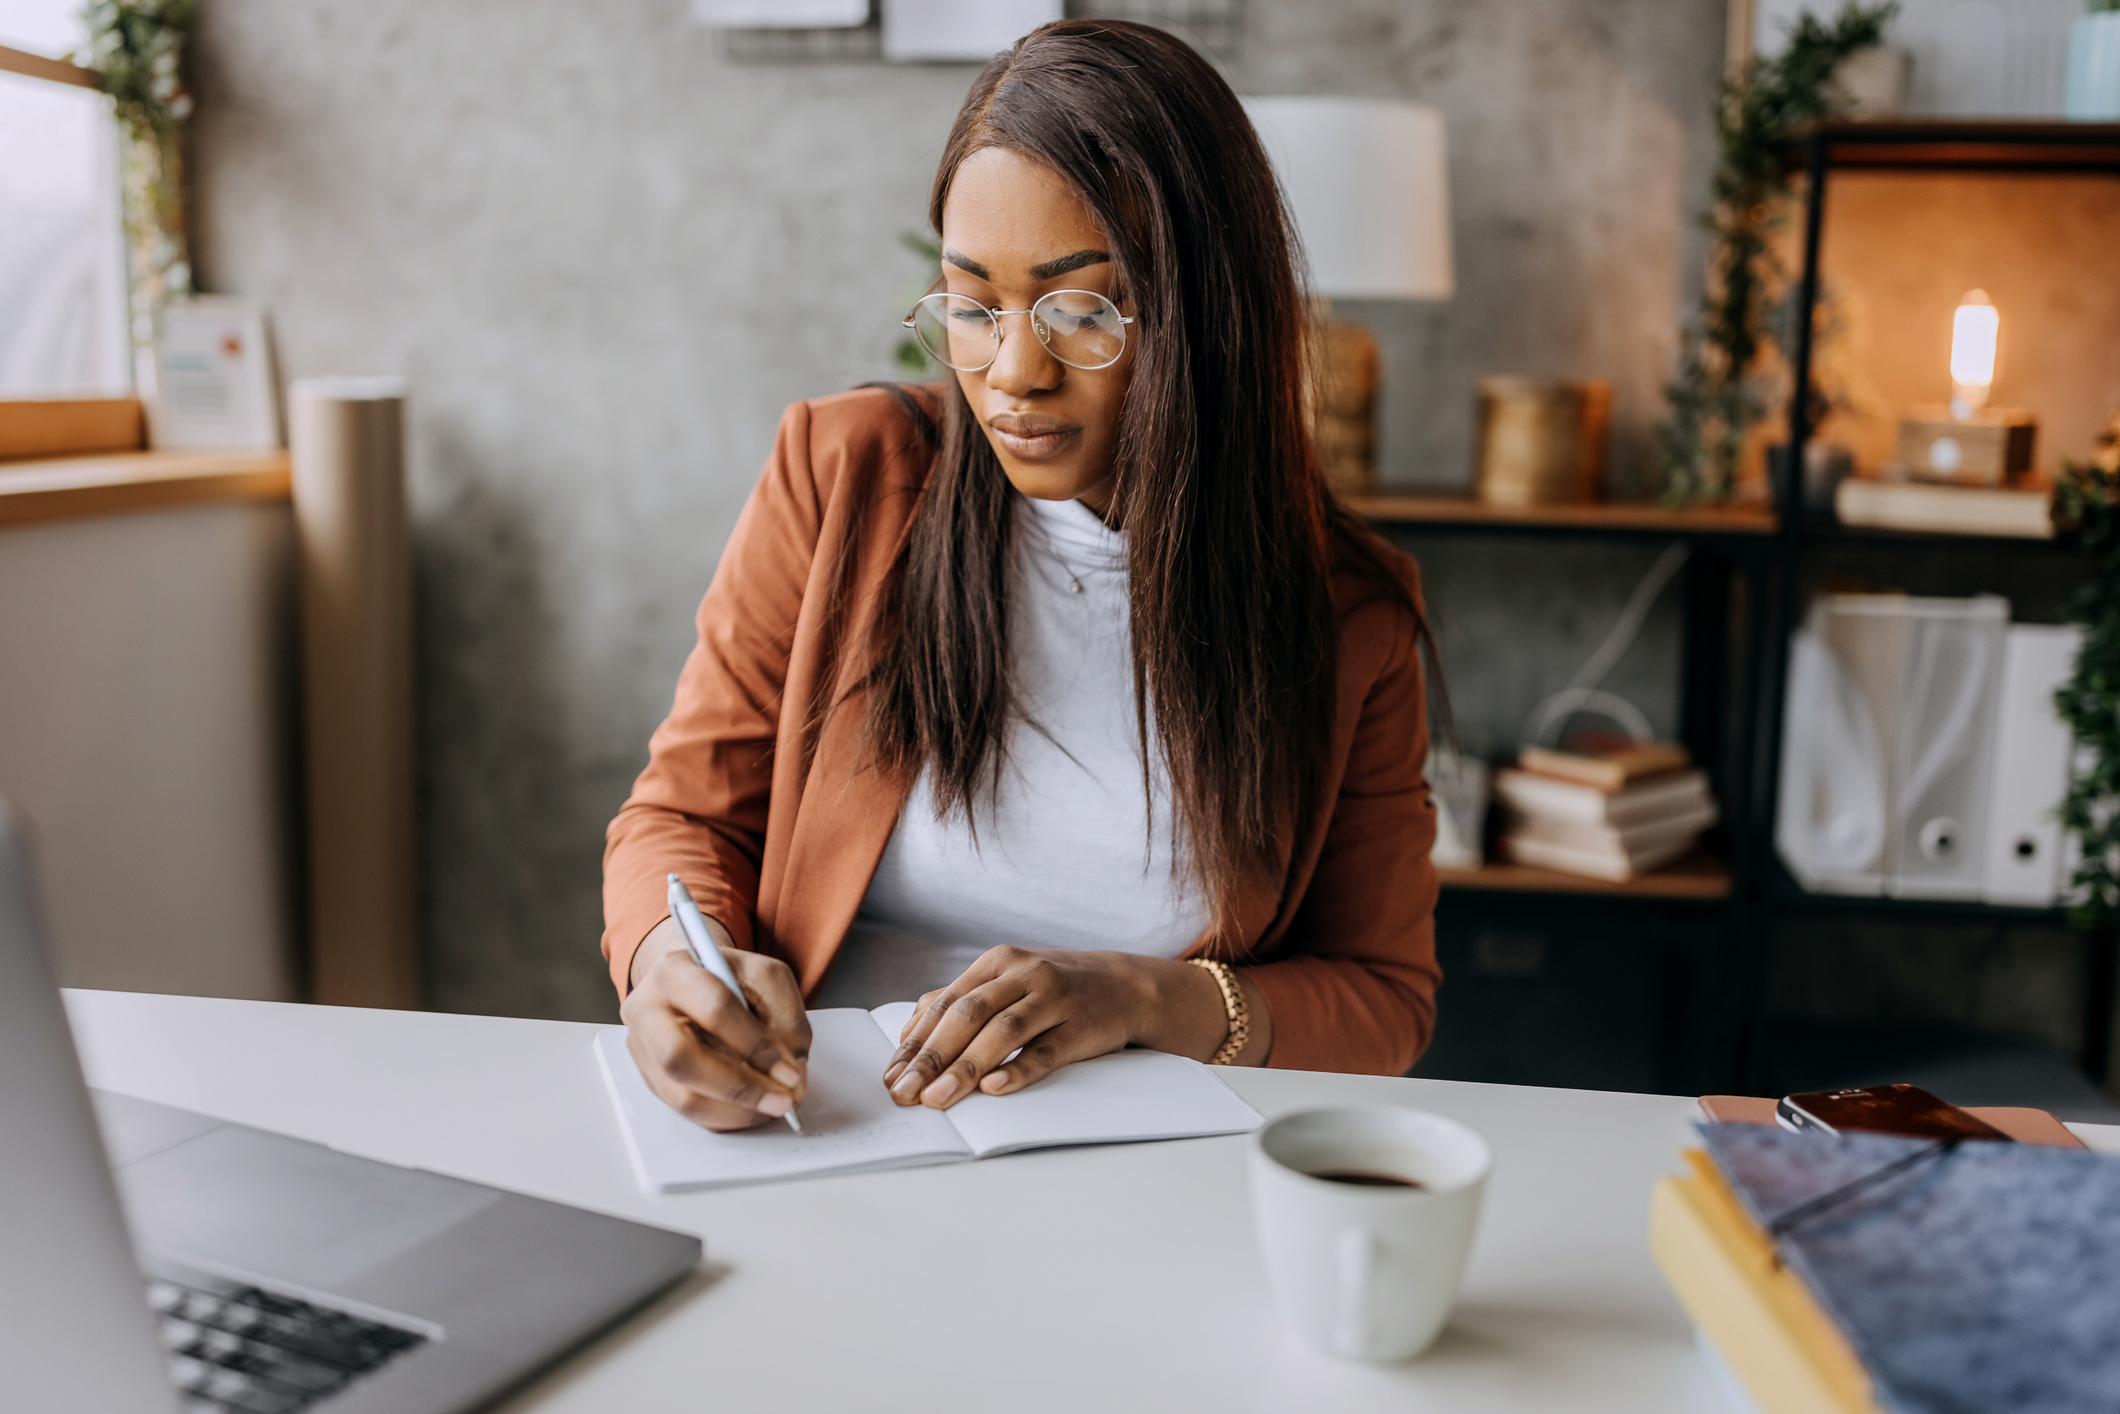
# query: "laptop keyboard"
{"points": [[246, 1351]]}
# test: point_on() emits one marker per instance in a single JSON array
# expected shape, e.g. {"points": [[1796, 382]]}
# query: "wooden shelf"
{"points": [[1785, 892], [1964, 145], [1697, 876], [1594, 517], [1818, 529], [75, 488]]}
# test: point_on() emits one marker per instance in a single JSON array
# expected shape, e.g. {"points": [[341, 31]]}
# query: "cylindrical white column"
{"points": [[347, 436]]}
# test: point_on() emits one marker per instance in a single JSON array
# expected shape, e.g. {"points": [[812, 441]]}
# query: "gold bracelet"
{"points": [[1233, 1003]]}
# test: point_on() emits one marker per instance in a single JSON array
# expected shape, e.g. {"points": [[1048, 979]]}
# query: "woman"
{"points": [[1059, 694]]}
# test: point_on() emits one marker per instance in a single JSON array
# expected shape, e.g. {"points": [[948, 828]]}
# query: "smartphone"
{"points": [[1882, 1109]]}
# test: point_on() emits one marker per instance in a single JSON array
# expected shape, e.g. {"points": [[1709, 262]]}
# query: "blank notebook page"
{"points": [[849, 1121], [1109, 1099]]}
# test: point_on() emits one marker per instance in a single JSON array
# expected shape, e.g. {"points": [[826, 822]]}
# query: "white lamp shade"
{"points": [[1369, 186]]}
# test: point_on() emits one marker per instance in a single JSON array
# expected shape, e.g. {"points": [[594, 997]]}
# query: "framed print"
{"points": [[213, 382]]}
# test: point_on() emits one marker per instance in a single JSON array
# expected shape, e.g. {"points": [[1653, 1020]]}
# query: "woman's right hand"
{"points": [[713, 1062]]}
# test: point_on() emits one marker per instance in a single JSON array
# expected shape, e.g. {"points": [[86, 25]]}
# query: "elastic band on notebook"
{"points": [[1804, 1212]]}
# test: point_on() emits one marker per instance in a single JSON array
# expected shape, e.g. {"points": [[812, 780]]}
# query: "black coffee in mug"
{"points": [[1368, 1178]]}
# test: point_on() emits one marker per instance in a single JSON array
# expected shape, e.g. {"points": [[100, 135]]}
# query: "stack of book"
{"points": [[1612, 815], [1764, 1327], [2019, 512], [1862, 1273]]}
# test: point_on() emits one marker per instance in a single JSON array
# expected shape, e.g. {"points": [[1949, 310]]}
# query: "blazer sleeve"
{"points": [[1358, 992], [699, 809]]}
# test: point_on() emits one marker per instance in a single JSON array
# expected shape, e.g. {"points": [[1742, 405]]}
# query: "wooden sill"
{"points": [[1459, 510], [68, 427], [76, 488], [1697, 876]]}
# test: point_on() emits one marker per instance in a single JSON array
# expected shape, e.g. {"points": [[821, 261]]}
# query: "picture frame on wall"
{"points": [[213, 378]]}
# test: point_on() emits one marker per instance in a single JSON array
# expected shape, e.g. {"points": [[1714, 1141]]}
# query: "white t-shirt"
{"points": [[1066, 855]]}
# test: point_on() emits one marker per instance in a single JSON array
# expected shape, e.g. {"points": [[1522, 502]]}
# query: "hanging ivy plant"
{"points": [[1716, 400], [137, 49], [2090, 701]]}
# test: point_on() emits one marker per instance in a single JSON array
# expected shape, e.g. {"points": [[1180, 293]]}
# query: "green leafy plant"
{"points": [[1716, 398], [137, 49], [2090, 701], [909, 355]]}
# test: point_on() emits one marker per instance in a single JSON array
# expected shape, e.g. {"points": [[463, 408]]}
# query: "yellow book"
{"points": [[1760, 1317]]}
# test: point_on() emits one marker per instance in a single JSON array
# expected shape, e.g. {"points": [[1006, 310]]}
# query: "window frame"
{"points": [[32, 428]]}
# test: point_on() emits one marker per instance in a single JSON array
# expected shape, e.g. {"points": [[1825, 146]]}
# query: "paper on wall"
{"points": [[780, 14], [925, 31]]}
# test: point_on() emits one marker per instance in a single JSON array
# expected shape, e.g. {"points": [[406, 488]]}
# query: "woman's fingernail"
{"points": [[774, 1105], [891, 1074], [786, 1074], [939, 1093], [995, 1083], [907, 1089]]}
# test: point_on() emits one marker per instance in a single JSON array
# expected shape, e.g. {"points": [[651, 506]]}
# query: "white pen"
{"points": [[700, 943]]}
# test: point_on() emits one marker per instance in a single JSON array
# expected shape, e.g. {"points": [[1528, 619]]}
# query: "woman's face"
{"points": [[1012, 231]]}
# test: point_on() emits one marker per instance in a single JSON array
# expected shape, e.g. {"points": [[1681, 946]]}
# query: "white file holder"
{"points": [[2032, 750], [1888, 742]]}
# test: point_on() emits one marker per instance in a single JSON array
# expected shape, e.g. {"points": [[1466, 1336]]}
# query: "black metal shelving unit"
{"points": [[1639, 993], [1913, 146], [1710, 947]]}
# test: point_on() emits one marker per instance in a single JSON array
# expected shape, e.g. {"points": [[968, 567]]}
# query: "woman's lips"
{"points": [[1033, 438]]}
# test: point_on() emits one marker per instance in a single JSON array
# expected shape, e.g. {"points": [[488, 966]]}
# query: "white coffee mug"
{"points": [[1367, 1270]]}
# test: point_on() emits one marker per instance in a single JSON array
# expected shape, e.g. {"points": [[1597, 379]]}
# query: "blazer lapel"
{"points": [[849, 807]]}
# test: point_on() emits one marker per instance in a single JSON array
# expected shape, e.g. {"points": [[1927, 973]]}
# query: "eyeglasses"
{"points": [[1082, 329]]}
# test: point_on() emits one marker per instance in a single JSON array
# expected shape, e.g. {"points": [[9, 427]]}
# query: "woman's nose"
{"points": [[1022, 364]]}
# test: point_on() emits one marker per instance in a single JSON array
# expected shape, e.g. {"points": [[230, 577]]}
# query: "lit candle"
{"points": [[1973, 333]]}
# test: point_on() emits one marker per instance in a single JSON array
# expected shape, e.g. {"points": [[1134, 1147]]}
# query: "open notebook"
{"points": [[851, 1124]]}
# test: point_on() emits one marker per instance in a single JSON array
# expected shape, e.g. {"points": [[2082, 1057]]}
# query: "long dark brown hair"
{"points": [[1231, 534]]}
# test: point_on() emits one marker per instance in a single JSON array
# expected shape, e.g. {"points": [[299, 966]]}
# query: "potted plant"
{"points": [[1717, 398], [137, 49]]}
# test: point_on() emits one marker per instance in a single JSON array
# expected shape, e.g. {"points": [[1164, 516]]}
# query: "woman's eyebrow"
{"points": [[1047, 271], [1069, 262]]}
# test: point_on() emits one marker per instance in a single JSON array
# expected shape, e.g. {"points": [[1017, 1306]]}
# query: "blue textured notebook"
{"points": [[1982, 1279]]}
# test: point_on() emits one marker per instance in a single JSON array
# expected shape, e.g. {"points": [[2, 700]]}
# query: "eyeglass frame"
{"points": [[998, 314]]}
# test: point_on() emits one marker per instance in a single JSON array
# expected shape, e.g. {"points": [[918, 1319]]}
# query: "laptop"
{"points": [[153, 1259]]}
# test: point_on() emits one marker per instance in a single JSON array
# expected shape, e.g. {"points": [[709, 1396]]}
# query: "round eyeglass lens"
{"points": [[956, 331], [1083, 330]]}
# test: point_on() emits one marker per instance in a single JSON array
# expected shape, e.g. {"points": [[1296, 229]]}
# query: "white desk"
{"points": [[1121, 1278]]}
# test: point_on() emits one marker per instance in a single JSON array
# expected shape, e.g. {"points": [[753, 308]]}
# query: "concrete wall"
{"points": [[606, 258]]}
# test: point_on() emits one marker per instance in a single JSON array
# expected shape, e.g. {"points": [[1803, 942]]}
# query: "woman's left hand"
{"points": [[1056, 1006]]}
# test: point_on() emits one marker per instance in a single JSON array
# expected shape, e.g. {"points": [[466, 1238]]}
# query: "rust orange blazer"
{"points": [[776, 823]]}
